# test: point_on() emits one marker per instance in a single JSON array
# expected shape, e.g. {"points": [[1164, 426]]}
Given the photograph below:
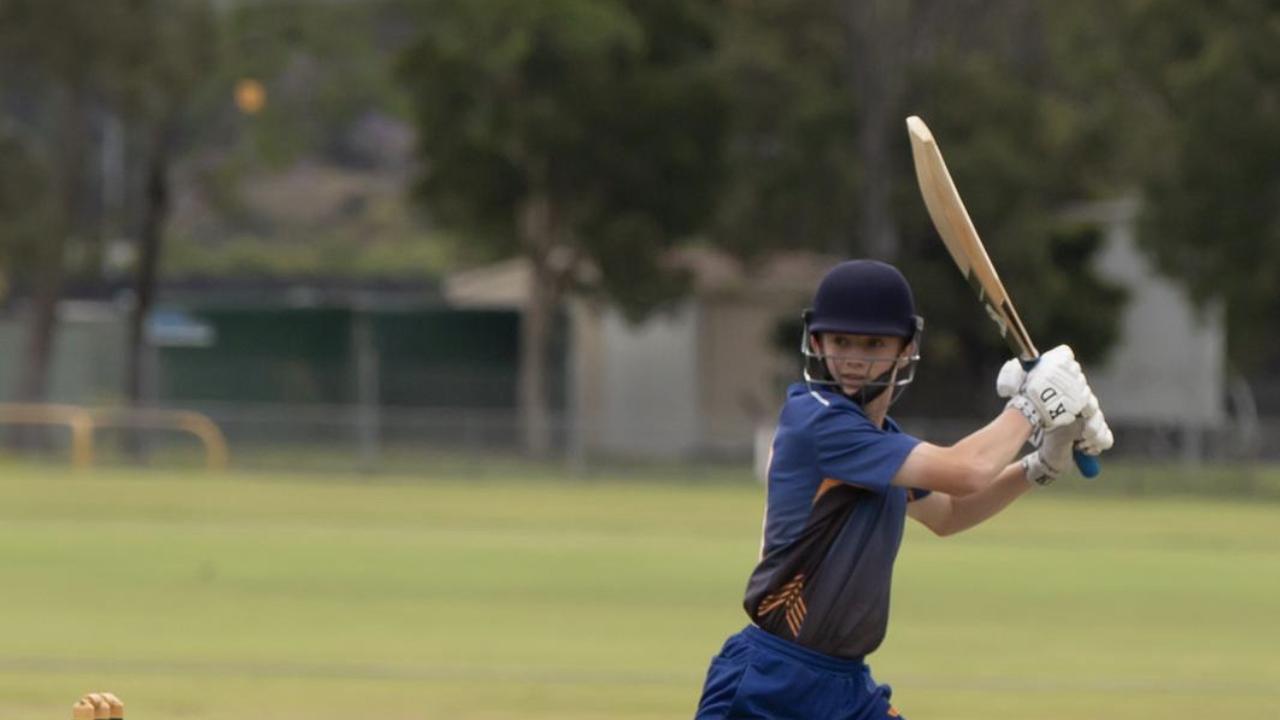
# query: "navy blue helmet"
{"points": [[864, 297]]}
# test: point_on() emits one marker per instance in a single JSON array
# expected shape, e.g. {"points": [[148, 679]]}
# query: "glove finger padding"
{"points": [[1013, 375], [1059, 354], [1059, 442], [1091, 405], [1054, 456], [1096, 435], [1009, 381]]}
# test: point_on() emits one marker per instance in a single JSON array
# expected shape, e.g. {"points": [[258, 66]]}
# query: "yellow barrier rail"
{"points": [[77, 419], [83, 422]]}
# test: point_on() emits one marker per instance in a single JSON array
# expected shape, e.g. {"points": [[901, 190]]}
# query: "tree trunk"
{"points": [[42, 322], [535, 346], [50, 270], [155, 214], [877, 225], [879, 35], [537, 229]]}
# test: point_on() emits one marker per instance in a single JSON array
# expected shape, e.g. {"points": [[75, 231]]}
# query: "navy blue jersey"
{"points": [[832, 526]]}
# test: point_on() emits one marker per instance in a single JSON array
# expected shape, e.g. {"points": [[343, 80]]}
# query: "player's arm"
{"points": [[947, 514], [1050, 396], [969, 465]]}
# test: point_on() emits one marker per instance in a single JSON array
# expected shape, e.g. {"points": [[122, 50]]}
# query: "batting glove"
{"points": [[1055, 391], [1096, 436], [1044, 466]]}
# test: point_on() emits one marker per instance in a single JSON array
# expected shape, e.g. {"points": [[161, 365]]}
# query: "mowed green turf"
{"points": [[264, 597]]}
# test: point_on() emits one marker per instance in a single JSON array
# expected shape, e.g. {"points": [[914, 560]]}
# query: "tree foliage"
{"points": [[72, 71], [1023, 146], [1024, 132], [791, 157], [1209, 76], [583, 135], [608, 112], [323, 65], [24, 206]]}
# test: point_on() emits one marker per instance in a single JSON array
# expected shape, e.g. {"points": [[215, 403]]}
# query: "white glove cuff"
{"points": [[1039, 473], [1023, 404]]}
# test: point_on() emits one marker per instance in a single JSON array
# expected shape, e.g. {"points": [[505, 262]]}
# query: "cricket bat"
{"points": [[951, 219]]}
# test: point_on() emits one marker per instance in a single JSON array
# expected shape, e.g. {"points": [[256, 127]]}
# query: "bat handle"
{"points": [[1088, 464]]}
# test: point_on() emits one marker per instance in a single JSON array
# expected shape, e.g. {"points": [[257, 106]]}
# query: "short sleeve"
{"points": [[852, 450]]}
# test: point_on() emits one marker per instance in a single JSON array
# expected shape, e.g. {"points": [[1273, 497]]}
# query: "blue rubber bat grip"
{"points": [[1089, 466]]}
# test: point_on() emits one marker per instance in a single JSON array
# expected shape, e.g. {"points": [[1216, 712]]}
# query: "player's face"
{"points": [[852, 359]]}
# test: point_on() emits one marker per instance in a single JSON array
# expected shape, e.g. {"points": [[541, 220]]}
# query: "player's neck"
{"points": [[878, 409]]}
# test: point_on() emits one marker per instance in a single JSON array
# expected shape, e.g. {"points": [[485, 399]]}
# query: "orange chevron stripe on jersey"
{"points": [[789, 599]]}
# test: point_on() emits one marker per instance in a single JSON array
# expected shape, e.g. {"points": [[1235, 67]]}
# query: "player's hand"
{"points": [[1096, 435], [1054, 456], [1054, 392], [1011, 378]]}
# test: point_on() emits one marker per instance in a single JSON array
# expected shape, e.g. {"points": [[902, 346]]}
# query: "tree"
{"points": [[791, 154], [1026, 137], [180, 42], [78, 67], [24, 206], [323, 66], [1204, 78], [61, 56], [331, 109], [819, 156], [582, 135], [820, 91], [884, 39]]}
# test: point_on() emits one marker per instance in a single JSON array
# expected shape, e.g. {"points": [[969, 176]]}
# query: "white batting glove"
{"points": [[1013, 376], [1055, 392], [1053, 458], [1009, 381], [1096, 435]]}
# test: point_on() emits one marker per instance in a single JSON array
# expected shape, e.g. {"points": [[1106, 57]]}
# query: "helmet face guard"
{"points": [[901, 373], [869, 298]]}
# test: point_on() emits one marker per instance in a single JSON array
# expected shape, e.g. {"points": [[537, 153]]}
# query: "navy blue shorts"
{"points": [[757, 675]]}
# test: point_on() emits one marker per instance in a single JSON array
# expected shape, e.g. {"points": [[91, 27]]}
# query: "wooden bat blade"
{"points": [[960, 237]]}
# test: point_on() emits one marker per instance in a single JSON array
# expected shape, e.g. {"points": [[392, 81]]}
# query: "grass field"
{"points": [[276, 597]]}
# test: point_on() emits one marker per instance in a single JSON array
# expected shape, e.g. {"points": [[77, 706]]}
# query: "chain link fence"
{"points": [[346, 440], [349, 438]]}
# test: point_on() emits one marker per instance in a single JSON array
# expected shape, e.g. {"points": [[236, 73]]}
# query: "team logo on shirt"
{"points": [[789, 599]]}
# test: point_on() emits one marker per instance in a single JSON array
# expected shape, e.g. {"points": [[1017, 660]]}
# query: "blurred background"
{"points": [[394, 267]]}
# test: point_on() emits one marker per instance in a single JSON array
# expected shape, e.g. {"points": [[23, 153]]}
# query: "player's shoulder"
{"points": [[817, 406], [820, 404], [815, 396], [891, 425]]}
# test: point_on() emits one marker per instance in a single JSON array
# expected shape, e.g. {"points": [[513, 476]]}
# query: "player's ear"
{"points": [[904, 356]]}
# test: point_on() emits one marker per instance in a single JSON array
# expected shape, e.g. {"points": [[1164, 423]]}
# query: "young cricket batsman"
{"points": [[842, 478]]}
